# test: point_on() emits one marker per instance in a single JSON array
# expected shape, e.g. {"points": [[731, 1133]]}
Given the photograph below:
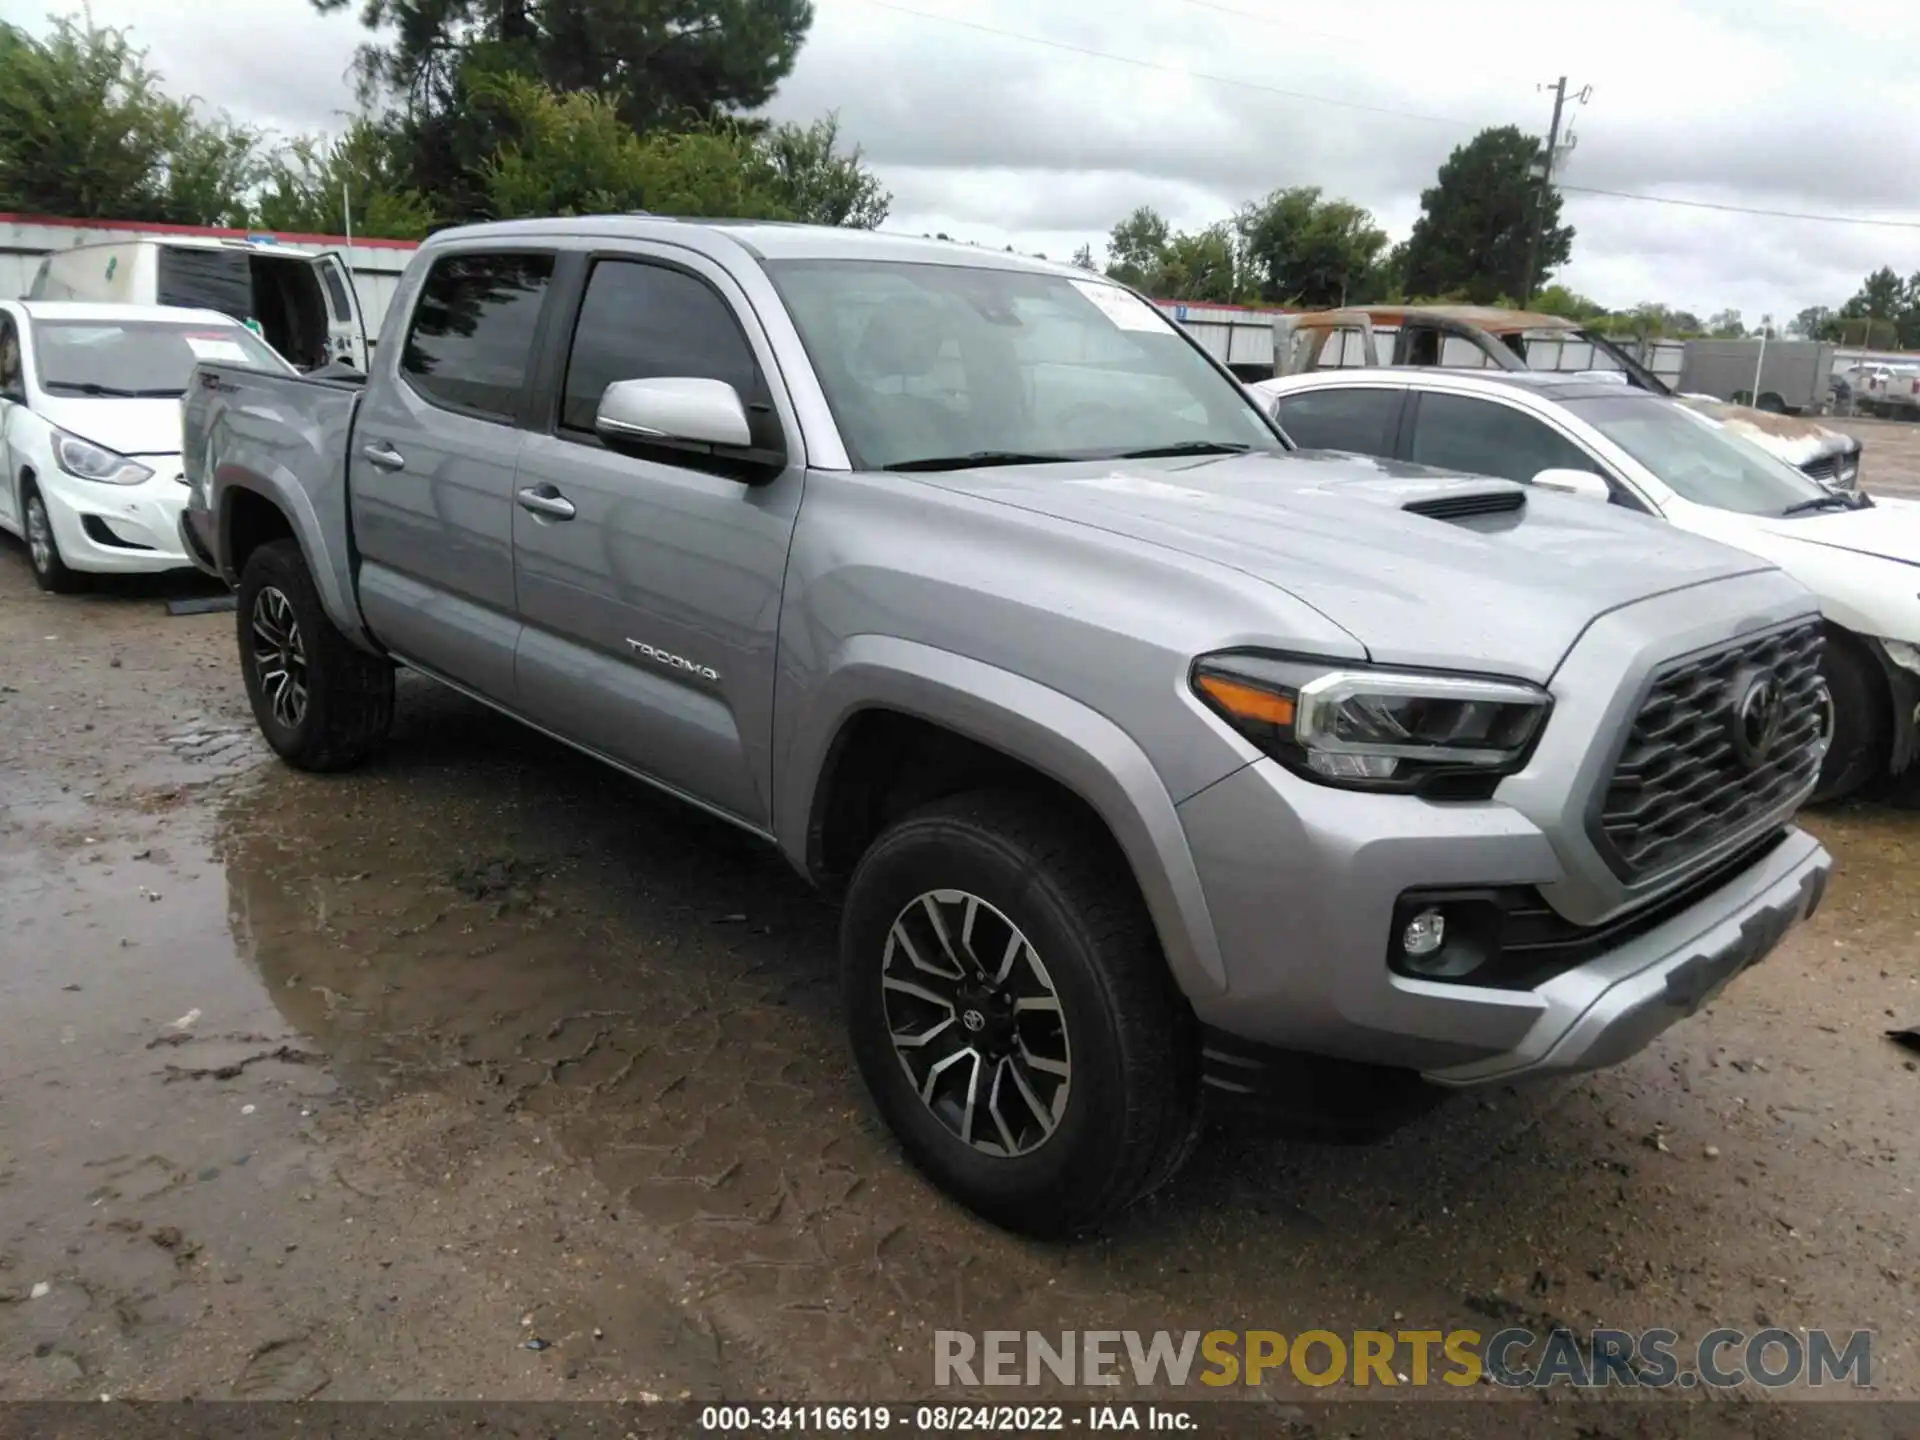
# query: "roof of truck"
{"points": [[764, 239]]}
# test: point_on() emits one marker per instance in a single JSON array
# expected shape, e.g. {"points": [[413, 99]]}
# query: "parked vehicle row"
{"points": [[1665, 459], [90, 430], [1480, 337], [1150, 756]]}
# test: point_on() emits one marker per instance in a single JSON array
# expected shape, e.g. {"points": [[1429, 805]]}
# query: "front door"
{"points": [[431, 468], [649, 583]]}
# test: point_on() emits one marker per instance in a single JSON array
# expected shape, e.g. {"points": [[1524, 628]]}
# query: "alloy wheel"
{"points": [[976, 1022], [39, 535], [280, 656]]}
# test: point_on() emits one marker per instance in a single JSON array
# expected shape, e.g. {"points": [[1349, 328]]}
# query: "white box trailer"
{"points": [[284, 275]]}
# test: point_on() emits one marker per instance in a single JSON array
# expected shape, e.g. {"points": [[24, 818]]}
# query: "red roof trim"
{"points": [[150, 227]]}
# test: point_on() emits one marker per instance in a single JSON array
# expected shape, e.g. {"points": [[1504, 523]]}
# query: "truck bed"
{"points": [[285, 438]]}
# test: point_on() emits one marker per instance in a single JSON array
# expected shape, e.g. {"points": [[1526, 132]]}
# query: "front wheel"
{"points": [[1012, 1015], [1859, 720], [50, 572], [321, 701]]}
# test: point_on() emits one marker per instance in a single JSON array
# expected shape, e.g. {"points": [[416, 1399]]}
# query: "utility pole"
{"points": [[1546, 185]]}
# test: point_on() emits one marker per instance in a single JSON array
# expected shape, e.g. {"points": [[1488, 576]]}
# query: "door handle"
{"points": [[546, 502], [383, 456]]}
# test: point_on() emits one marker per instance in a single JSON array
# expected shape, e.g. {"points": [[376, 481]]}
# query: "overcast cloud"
{"points": [[1800, 105]]}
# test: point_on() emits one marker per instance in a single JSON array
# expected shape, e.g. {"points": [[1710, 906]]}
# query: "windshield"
{"points": [[932, 366], [1697, 457], [150, 359]]}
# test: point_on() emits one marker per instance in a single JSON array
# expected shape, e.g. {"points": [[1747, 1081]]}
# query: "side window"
{"points": [[337, 299], [1484, 438], [12, 381], [1359, 420], [470, 344], [640, 322]]}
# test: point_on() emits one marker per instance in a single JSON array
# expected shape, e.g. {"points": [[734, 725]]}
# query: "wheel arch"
{"points": [[251, 512], [893, 703]]}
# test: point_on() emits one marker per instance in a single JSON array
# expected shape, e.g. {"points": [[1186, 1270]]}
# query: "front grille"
{"points": [[1687, 778], [1835, 471]]}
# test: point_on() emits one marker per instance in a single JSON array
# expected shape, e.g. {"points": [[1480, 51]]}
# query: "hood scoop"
{"points": [[1469, 504]]}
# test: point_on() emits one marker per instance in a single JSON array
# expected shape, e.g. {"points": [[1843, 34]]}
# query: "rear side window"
{"points": [[640, 322], [1359, 420], [199, 278], [470, 344], [1481, 437]]}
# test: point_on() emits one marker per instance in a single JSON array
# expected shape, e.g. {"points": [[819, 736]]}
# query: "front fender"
{"points": [[1038, 726]]}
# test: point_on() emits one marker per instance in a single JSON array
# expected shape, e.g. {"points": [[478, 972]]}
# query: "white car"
{"points": [[1859, 555], [90, 471]]}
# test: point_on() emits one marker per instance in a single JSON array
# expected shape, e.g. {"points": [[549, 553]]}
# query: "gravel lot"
{"points": [[359, 1087]]}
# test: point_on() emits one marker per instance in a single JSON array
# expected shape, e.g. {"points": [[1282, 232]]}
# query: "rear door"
{"points": [[431, 464], [346, 327], [651, 601]]}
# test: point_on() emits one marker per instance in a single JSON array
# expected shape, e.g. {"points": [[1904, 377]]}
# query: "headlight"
{"points": [[88, 461], [1448, 736]]}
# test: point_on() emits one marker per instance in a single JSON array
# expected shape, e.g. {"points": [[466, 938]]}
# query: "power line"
{"points": [[1743, 209], [1170, 69]]}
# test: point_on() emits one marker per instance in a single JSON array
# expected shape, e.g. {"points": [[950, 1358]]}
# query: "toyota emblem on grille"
{"points": [[1757, 715]]}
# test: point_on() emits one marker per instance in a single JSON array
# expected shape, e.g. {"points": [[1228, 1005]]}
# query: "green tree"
{"points": [[1569, 305], [305, 186], [1726, 325], [1885, 311], [573, 154], [86, 131], [1137, 248], [1816, 322], [671, 62], [1300, 249], [1083, 258], [1476, 219], [1204, 265], [816, 181]]}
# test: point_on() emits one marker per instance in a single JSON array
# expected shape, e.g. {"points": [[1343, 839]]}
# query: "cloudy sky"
{"points": [[989, 121]]}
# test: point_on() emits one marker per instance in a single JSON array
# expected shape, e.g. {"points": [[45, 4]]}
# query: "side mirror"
{"points": [[1581, 483], [674, 408]]}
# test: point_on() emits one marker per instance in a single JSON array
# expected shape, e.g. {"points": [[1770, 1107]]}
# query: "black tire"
{"points": [[50, 572], [1131, 1110], [345, 707], [1862, 715]]}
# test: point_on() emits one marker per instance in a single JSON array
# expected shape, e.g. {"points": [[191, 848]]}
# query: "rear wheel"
{"points": [[50, 572], [1859, 716], [321, 701], [1012, 1015]]}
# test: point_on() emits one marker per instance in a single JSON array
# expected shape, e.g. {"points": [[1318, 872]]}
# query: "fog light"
{"points": [[1425, 934]]}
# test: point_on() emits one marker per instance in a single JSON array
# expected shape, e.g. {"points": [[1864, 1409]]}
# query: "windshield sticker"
{"points": [[207, 347], [1126, 311]]}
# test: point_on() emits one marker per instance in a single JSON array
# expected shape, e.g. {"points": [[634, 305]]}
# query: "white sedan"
{"points": [[1859, 555], [90, 472]]}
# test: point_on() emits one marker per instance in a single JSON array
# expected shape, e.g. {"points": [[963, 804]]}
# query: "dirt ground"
{"points": [[483, 1073]]}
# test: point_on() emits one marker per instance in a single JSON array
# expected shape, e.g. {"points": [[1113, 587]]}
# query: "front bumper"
{"points": [[1306, 943], [118, 529]]}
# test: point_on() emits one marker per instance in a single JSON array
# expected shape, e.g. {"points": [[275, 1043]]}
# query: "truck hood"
{"points": [[132, 427], [1506, 593]]}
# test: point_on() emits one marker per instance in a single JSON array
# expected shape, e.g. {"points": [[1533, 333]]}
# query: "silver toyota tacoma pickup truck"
{"points": [[1146, 756]]}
